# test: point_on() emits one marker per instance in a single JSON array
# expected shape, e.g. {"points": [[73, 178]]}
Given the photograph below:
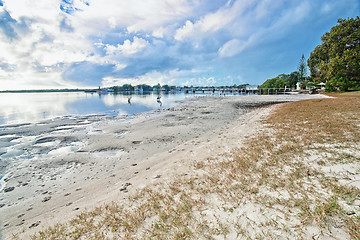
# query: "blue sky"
{"points": [[89, 43]]}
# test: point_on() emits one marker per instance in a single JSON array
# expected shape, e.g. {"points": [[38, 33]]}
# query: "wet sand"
{"points": [[55, 169]]}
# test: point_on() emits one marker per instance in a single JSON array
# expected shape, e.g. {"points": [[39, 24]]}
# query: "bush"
{"points": [[341, 83]]}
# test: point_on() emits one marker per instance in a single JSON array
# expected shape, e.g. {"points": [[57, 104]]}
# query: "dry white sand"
{"points": [[70, 164]]}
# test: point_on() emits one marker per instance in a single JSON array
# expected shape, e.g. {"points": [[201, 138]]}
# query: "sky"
{"points": [[52, 44]]}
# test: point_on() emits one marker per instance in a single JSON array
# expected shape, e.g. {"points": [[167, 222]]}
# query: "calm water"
{"points": [[32, 107]]}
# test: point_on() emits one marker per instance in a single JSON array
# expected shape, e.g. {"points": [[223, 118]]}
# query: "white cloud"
{"points": [[212, 22], [150, 78], [266, 8], [43, 42], [187, 30], [159, 33], [200, 81], [28, 78], [135, 16], [256, 32], [326, 8], [128, 48], [300, 12], [172, 77], [232, 48], [41, 10]]}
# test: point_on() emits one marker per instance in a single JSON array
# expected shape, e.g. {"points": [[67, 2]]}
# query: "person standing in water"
{"points": [[159, 100]]}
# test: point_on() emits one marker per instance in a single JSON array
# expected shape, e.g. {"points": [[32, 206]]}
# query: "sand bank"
{"points": [[60, 167]]}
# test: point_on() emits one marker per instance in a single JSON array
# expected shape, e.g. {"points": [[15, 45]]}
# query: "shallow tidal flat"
{"points": [[54, 169]]}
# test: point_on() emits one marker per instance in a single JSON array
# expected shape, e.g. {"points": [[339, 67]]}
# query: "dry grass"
{"points": [[282, 184]]}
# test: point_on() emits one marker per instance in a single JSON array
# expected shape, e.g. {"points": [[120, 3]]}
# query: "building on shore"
{"points": [[252, 87]]}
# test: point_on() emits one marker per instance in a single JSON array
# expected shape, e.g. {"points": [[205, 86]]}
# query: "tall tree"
{"points": [[302, 69], [337, 59]]}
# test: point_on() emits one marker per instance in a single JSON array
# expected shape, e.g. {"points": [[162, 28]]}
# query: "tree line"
{"points": [[144, 87], [335, 62], [148, 88]]}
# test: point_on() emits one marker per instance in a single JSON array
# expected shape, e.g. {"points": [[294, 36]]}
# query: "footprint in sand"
{"points": [[35, 224], [46, 199], [124, 187]]}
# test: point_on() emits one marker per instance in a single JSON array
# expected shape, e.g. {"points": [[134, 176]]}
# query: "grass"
{"points": [[281, 183]]}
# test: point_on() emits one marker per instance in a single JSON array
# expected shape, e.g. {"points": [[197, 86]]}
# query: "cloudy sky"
{"points": [[85, 43]]}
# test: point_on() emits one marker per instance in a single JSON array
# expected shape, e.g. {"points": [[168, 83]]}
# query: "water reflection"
{"points": [[32, 107]]}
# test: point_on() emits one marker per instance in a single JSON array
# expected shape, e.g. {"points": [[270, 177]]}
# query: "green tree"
{"points": [[288, 80], [127, 87], [337, 59], [302, 70], [292, 79], [123, 88], [166, 87]]}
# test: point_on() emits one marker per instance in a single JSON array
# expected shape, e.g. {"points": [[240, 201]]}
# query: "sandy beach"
{"points": [[66, 165]]}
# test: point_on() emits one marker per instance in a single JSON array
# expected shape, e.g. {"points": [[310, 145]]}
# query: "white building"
{"points": [[252, 87]]}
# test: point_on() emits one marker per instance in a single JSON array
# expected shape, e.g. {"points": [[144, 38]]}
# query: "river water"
{"points": [[18, 108], [31, 123]]}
